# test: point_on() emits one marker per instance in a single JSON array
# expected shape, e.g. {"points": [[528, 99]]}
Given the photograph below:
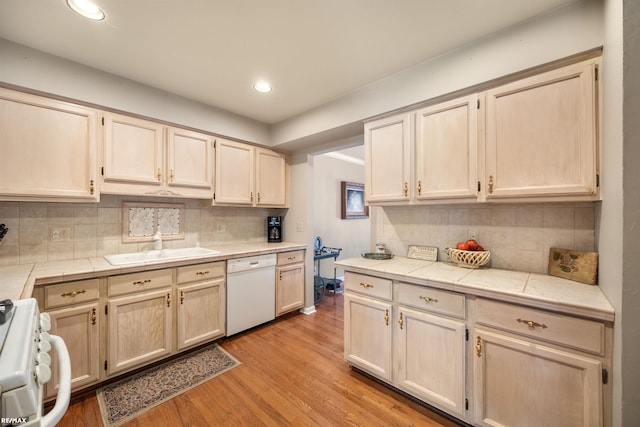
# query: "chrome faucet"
{"points": [[157, 240]]}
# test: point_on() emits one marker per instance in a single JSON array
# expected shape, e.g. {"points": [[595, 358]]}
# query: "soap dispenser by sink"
{"points": [[157, 241]]}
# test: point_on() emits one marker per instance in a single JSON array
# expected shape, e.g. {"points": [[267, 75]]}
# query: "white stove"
{"points": [[25, 365]]}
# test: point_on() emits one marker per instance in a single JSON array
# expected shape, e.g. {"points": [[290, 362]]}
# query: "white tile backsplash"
{"points": [[96, 229], [518, 235]]}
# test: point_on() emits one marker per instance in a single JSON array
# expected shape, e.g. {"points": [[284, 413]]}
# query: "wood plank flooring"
{"points": [[292, 373]]}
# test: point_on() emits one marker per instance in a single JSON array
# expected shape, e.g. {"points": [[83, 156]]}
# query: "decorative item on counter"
{"points": [[469, 254], [574, 265], [375, 255], [425, 253], [380, 249]]}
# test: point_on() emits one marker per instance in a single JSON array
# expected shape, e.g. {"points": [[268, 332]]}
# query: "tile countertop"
{"points": [[18, 281], [535, 290]]}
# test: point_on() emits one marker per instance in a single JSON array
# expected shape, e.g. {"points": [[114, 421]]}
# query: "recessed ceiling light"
{"points": [[86, 8], [263, 87]]}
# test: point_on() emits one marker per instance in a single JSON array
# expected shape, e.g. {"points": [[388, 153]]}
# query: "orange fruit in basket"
{"points": [[463, 246]]}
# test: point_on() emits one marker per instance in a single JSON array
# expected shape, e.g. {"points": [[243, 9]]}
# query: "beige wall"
{"points": [[95, 229], [352, 235], [518, 235]]}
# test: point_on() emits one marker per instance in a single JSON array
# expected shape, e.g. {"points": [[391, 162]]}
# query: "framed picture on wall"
{"points": [[353, 206]]}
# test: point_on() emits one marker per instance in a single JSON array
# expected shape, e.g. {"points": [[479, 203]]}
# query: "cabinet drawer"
{"points": [[71, 293], [430, 299], [198, 272], [292, 257], [135, 282], [368, 285], [565, 330]]}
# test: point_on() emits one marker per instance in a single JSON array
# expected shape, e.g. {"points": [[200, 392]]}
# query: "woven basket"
{"points": [[469, 259]]}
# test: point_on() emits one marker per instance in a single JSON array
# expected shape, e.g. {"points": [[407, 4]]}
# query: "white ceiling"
{"points": [[212, 51]]}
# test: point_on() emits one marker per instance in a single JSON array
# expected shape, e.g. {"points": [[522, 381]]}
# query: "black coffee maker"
{"points": [[274, 229]]}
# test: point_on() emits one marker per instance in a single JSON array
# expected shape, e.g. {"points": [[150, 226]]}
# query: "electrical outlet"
{"points": [[60, 234], [299, 226], [473, 234]]}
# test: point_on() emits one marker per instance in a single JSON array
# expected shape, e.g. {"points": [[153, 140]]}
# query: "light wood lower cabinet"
{"points": [[394, 332], [536, 368], [200, 312], [522, 383], [79, 327], [430, 357], [367, 334], [139, 329], [520, 366], [74, 311], [289, 282]]}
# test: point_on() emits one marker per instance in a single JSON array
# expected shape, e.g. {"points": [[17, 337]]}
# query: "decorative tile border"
{"points": [[141, 221]]}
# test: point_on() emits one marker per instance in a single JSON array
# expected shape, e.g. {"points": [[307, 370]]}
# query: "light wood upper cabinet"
{"points": [[271, 178], [142, 157], [49, 149], [446, 150], [542, 135], [189, 161], [387, 159], [249, 176], [234, 173], [534, 139]]}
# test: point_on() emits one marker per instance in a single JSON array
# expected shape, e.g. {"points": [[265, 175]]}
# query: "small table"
{"points": [[320, 283]]}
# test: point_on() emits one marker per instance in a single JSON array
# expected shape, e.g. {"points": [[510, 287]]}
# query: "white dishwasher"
{"points": [[251, 292]]}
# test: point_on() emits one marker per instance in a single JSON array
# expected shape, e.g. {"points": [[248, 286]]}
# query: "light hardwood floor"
{"points": [[292, 373]]}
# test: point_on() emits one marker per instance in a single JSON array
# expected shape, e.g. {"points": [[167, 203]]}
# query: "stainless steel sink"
{"points": [[159, 255]]}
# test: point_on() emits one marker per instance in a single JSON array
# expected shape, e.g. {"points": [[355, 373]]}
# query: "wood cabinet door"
{"points": [[233, 173], [139, 329], [49, 149], [430, 356], [189, 163], [289, 288], [367, 335], [79, 327], [387, 159], [271, 178], [446, 150], [133, 152], [541, 135], [524, 384], [201, 312]]}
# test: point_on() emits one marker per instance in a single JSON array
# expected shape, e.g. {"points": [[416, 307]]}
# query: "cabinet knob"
{"points": [[428, 299], [478, 346], [419, 188], [366, 285], [490, 184], [159, 174], [181, 297], [401, 321], [405, 189], [386, 317], [93, 316]]}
